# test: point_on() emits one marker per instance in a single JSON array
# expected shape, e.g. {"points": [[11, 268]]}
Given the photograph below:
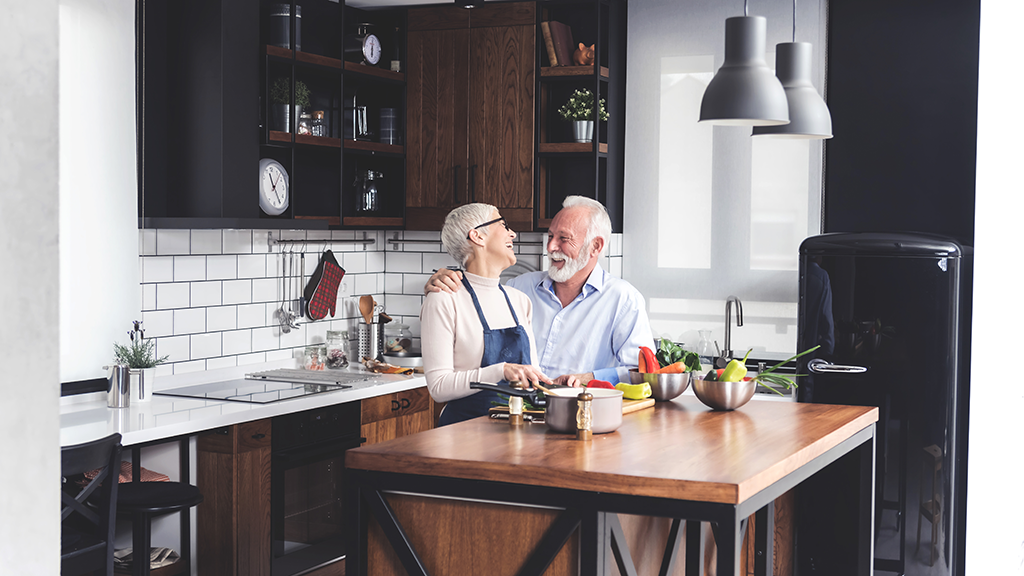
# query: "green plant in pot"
{"points": [[141, 359], [280, 97], [579, 109]]}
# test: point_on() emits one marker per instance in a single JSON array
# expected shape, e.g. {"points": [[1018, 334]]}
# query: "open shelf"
{"points": [[374, 72], [373, 147], [305, 57], [572, 147], [570, 71]]}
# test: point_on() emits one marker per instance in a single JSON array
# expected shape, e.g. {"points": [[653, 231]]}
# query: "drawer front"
{"points": [[394, 405]]}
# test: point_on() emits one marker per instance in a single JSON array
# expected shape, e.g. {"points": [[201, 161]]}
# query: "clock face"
{"points": [[273, 187], [371, 49]]}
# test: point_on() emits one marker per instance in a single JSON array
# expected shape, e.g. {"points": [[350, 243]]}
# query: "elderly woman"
{"points": [[483, 333]]}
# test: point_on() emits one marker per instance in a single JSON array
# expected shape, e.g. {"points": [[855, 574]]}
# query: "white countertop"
{"points": [[86, 417]]}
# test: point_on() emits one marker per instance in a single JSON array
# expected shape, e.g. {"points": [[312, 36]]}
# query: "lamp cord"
{"points": [[745, 11], [794, 20]]}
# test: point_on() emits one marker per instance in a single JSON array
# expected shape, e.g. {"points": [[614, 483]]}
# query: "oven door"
{"points": [[307, 515]]}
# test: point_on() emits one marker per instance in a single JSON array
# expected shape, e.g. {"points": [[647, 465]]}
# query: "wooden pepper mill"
{"points": [[515, 405], [584, 416]]}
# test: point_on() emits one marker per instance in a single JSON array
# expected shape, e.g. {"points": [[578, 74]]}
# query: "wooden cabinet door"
{"points": [[501, 120], [396, 415], [437, 149]]}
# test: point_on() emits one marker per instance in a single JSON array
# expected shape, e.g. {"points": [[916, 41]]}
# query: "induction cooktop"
{"points": [[270, 386]]}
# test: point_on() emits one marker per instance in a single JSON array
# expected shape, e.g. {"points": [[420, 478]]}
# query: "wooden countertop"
{"points": [[680, 450]]}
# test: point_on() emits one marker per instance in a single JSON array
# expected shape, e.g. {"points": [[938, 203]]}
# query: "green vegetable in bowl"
{"points": [[668, 353], [770, 377]]}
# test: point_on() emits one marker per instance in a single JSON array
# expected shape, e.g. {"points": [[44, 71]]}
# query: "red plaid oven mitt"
{"points": [[321, 291]]}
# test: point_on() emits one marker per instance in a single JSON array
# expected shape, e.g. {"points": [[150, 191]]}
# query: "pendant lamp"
{"points": [[744, 92], [809, 117], [466, 3]]}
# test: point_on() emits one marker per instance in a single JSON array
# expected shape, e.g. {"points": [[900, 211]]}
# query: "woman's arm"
{"points": [[438, 321]]}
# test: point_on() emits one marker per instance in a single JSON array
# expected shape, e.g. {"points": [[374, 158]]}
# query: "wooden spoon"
{"points": [[366, 307]]}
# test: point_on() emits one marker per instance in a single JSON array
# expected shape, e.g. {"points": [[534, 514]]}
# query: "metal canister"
{"points": [[119, 389], [281, 26]]}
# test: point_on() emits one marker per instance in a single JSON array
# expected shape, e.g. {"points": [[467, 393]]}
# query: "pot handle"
{"points": [[530, 395]]}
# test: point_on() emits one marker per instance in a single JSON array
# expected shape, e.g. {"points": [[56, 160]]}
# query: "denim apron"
{"points": [[505, 345]]}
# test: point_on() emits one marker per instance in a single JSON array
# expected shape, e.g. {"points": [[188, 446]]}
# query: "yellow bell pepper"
{"points": [[634, 391]]}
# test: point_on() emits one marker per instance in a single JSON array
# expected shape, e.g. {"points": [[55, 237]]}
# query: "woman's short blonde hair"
{"points": [[458, 223]]}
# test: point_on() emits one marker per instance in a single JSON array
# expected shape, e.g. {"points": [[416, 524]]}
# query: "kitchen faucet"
{"points": [[728, 322]]}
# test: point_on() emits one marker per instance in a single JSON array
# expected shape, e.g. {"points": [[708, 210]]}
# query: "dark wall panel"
{"points": [[903, 92]]}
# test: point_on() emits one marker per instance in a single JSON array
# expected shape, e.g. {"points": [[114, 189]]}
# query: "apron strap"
{"points": [[479, 310], [510, 308]]}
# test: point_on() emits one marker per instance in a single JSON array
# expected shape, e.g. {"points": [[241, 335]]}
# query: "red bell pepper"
{"points": [[599, 384], [648, 361]]}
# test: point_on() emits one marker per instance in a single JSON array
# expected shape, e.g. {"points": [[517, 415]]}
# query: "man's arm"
{"points": [[444, 280], [631, 331]]}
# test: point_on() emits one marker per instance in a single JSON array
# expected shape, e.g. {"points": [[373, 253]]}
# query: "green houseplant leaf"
{"points": [[580, 106], [280, 92]]}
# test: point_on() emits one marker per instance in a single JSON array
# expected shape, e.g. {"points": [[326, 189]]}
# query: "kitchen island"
{"points": [[482, 496]]}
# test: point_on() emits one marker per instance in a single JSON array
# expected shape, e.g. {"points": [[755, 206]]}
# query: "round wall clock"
{"points": [[273, 187]]}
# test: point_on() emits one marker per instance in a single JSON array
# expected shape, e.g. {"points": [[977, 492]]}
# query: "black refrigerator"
{"points": [[891, 313]]}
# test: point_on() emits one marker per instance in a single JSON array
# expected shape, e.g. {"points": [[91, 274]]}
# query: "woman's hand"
{"points": [[525, 373], [574, 380], [444, 280]]}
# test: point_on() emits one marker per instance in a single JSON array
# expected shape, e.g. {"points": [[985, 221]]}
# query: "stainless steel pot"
{"points": [[560, 406]]}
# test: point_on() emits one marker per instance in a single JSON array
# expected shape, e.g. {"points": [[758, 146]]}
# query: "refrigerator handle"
{"points": [[819, 366]]}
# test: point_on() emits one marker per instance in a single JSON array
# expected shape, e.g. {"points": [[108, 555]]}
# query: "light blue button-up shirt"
{"points": [[600, 331]]}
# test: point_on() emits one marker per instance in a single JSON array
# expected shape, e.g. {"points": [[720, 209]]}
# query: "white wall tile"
{"points": [[174, 347], [189, 268], [374, 261], [224, 362], [264, 339], [421, 235], [404, 262], [295, 338], [365, 284], [189, 321], [237, 342], [433, 262], [237, 241], [414, 283], [403, 305], [252, 316], [172, 296], [252, 266], [158, 324], [169, 242], [343, 234], [149, 296], [187, 367], [247, 359], [393, 283], [260, 244], [205, 293], [615, 267], [278, 355], [205, 345], [354, 262], [222, 267], [158, 269], [147, 242], [266, 290], [206, 242], [616, 245], [237, 292], [220, 318], [316, 332]]}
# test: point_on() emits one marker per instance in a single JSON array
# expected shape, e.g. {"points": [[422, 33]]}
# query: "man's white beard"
{"points": [[571, 266]]}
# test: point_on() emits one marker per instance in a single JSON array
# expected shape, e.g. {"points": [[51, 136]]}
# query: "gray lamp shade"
{"points": [[744, 92], [808, 114]]}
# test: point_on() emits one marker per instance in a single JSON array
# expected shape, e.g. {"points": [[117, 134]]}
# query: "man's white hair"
{"points": [[599, 223], [458, 223]]}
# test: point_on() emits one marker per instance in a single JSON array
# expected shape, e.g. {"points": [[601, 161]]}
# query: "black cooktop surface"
{"points": [[270, 386]]}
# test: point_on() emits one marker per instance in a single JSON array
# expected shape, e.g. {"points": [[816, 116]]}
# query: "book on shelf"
{"points": [[545, 31], [561, 36]]}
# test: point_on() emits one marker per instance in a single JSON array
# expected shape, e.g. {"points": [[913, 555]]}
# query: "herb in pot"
{"points": [[140, 353]]}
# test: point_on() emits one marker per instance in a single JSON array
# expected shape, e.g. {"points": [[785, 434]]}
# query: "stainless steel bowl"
{"points": [[665, 387], [723, 395]]}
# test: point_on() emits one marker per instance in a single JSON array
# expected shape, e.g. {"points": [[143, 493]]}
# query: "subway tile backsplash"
{"points": [[211, 297]]}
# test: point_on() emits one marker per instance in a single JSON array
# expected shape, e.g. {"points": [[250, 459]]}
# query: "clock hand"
{"points": [[273, 185]]}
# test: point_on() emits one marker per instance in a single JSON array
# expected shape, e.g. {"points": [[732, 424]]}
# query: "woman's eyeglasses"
{"points": [[488, 223]]}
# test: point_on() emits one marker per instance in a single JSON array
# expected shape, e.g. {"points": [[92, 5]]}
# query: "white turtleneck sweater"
{"points": [[452, 337]]}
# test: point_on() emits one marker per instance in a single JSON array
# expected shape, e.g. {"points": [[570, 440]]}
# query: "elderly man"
{"points": [[587, 323]]}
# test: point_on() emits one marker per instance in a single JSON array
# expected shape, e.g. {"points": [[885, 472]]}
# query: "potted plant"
{"points": [[579, 109], [140, 357], [280, 97]]}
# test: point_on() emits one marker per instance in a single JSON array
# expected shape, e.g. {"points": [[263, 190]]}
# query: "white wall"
{"points": [[29, 503], [995, 533]]}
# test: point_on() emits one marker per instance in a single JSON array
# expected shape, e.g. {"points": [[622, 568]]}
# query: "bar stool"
{"points": [[144, 501], [931, 509]]}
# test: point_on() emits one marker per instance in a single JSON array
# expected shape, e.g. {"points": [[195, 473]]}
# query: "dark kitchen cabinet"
{"points": [[396, 415], [471, 111], [566, 167]]}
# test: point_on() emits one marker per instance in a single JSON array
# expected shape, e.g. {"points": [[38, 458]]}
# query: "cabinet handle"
{"points": [[258, 436], [455, 185], [472, 183]]}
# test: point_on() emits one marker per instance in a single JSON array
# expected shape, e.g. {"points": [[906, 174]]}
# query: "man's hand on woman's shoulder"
{"points": [[444, 280]]}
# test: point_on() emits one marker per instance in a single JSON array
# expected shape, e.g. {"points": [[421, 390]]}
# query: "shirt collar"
{"points": [[596, 281]]}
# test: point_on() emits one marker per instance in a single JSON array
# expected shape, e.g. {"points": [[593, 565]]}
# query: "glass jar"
{"points": [[313, 357], [337, 343], [317, 127], [305, 124], [397, 338]]}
